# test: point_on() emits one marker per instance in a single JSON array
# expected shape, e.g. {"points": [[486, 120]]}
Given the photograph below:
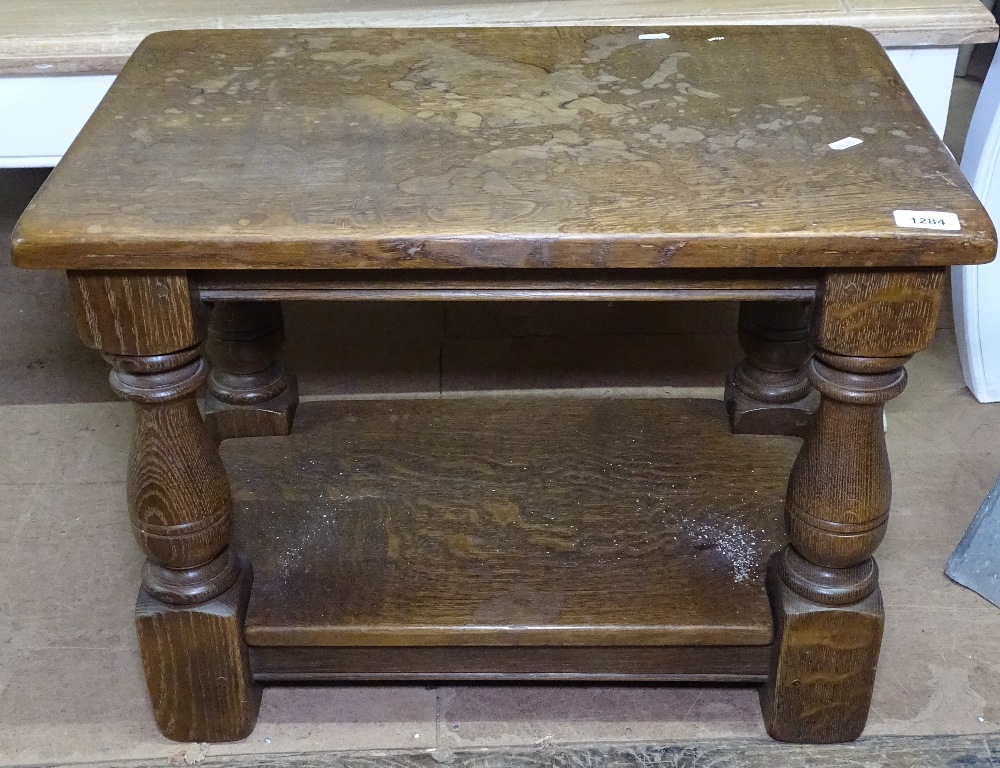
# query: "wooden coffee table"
{"points": [[560, 539]]}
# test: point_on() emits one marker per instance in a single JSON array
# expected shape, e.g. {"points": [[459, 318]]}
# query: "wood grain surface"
{"points": [[840, 489], [249, 391], [715, 664], [891, 313], [179, 501], [143, 314], [87, 36], [541, 147], [196, 665], [512, 522], [823, 669], [768, 392]]}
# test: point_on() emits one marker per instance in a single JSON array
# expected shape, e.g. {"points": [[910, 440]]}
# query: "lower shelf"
{"points": [[709, 664], [601, 537]]}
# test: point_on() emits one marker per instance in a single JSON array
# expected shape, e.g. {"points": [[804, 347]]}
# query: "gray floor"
{"points": [[70, 683]]}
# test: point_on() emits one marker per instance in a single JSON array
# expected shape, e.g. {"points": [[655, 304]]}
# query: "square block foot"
{"points": [[822, 666], [268, 419], [752, 417], [197, 665]]}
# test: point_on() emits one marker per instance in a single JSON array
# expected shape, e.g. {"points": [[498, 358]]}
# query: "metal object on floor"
{"points": [[975, 563]]}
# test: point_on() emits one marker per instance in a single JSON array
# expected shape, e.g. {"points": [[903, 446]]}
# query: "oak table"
{"points": [[573, 539]]}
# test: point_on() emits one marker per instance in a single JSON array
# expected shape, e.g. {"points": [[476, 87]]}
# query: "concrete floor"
{"points": [[70, 682]]}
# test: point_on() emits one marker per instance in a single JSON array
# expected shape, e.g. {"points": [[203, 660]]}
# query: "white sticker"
{"points": [[654, 36], [928, 220], [847, 143]]}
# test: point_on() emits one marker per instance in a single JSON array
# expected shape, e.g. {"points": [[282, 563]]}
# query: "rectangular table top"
{"points": [[506, 147], [97, 36]]}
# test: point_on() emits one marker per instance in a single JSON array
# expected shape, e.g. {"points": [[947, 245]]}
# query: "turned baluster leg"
{"points": [[195, 587], [824, 586], [768, 393], [250, 394]]}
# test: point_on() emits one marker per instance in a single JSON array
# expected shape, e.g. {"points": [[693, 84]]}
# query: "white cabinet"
{"points": [[976, 290], [40, 116], [929, 74]]}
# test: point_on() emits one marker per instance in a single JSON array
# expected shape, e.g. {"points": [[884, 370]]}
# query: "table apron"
{"points": [[505, 285]]}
